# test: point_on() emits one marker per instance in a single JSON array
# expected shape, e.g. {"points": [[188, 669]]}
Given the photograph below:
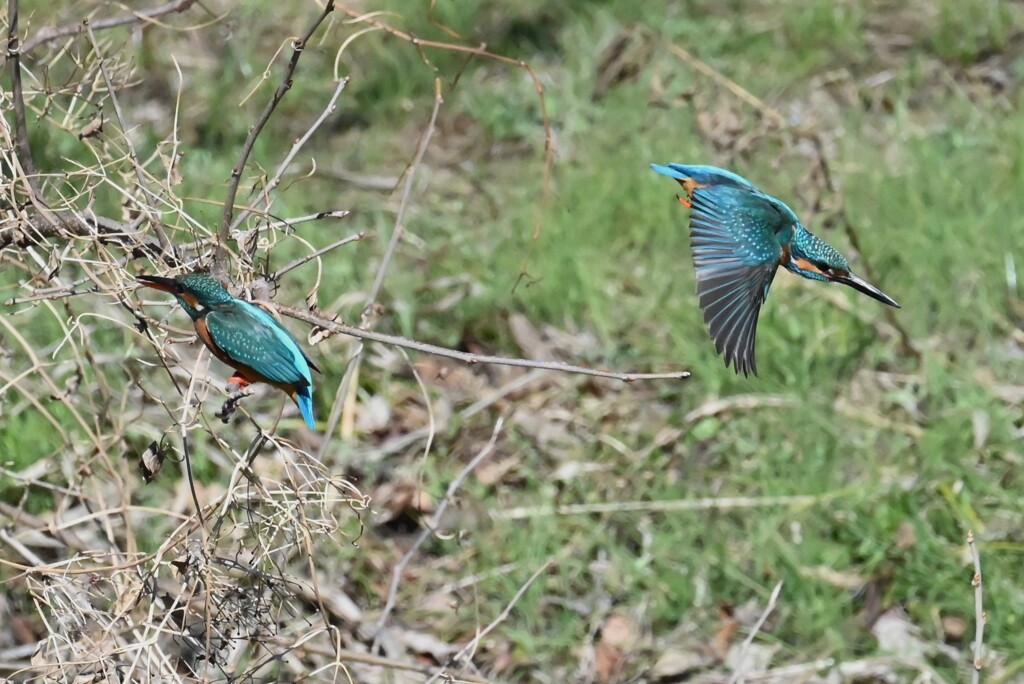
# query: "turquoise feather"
{"points": [[244, 336], [739, 237]]}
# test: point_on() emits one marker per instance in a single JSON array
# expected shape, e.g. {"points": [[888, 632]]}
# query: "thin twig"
{"points": [[18, 97], [51, 33], [674, 506], [369, 659], [35, 228], [475, 642], [399, 229], [140, 177], [466, 357], [298, 47], [318, 253], [430, 528], [346, 390], [332, 106], [979, 612], [318, 216], [737, 672]]}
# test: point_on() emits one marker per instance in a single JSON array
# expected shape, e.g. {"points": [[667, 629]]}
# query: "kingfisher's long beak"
{"points": [[158, 283], [865, 287]]}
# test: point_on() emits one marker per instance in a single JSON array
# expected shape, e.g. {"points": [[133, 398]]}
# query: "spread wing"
{"points": [[253, 338], [736, 251]]}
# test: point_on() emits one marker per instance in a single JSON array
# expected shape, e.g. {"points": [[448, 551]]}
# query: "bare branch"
{"points": [[18, 96], [724, 503], [472, 359], [471, 647], [396, 234], [296, 146], [318, 253], [33, 229], [979, 612], [224, 234], [165, 243], [431, 527], [51, 33], [740, 665]]}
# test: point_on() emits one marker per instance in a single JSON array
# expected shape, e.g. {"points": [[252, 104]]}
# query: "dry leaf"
{"points": [[93, 128], [373, 415], [493, 471], [619, 634], [608, 662], [528, 338], [981, 423], [394, 499], [906, 536], [724, 634], [837, 578], [619, 630], [953, 626], [675, 665], [422, 643], [754, 658]]}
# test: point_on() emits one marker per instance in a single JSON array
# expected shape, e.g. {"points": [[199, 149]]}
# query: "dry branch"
{"points": [[51, 33], [979, 610], [466, 357], [32, 228], [224, 232]]}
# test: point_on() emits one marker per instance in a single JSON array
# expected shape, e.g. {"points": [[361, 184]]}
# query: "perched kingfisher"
{"points": [[244, 336], [740, 236]]}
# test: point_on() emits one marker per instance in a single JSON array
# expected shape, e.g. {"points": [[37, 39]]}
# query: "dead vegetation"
{"points": [[248, 574]]}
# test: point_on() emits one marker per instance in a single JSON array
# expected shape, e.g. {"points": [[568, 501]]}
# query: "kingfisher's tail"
{"points": [[304, 399]]}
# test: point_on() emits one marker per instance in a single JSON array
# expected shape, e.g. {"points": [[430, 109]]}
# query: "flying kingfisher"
{"points": [[244, 336], [740, 236]]}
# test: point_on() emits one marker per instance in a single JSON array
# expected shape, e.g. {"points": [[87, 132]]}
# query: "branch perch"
{"points": [[466, 357]]}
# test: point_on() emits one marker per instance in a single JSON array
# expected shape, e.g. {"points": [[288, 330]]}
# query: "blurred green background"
{"points": [[919, 108]]}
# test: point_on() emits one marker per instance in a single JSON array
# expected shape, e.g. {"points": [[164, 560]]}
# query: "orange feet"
{"points": [[237, 379], [685, 202]]}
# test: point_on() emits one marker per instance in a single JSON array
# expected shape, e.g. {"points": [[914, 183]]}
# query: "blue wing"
{"points": [[251, 337], [737, 247], [704, 175]]}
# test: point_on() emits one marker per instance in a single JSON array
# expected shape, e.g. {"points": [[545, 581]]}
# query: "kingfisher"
{"points": [[740, 236], [243, 336]]}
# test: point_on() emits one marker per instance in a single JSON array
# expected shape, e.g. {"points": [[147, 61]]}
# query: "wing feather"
{"points": [[263, 346], [736, 252]]}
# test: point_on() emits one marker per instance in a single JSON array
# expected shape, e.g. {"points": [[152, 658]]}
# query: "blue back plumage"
{"points": [[253, 338]]}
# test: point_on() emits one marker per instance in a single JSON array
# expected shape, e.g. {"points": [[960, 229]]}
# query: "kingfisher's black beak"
{"points": [[864, 286], [158, 283]]}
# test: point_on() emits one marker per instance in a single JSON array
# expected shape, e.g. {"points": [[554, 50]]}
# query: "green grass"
{"points": [[931, 186]]}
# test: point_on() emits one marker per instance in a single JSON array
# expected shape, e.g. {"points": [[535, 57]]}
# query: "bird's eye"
{"points": [[823, 267]]}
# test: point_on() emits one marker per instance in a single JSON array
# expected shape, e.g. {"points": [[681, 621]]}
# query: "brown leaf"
{"points": [[93, 128], [725, 632], [619, 630], [394, 499], [953, 626], [608, 662], [528, 338]]}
